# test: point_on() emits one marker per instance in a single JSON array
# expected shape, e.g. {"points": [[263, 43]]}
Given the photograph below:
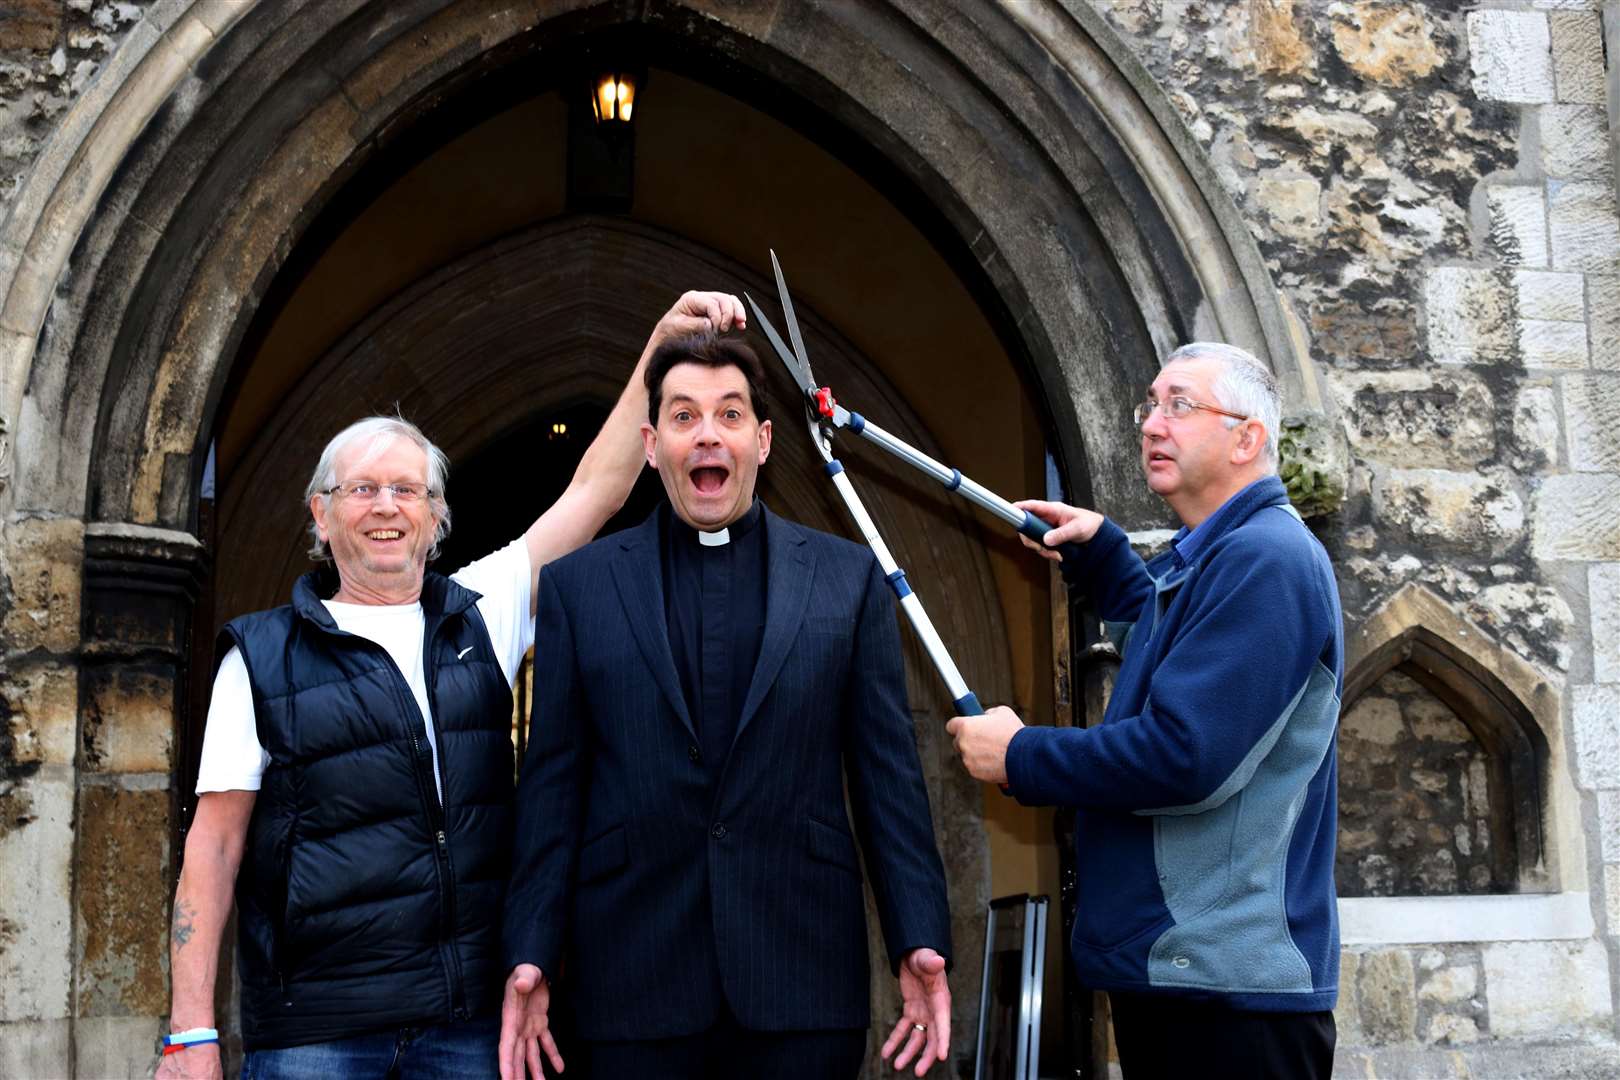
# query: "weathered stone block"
{"points": [[1293, 204], [117, 1047], [1511, 56], [1603, 302], [1345, 330], [1591, 406], [1470, 316], [1445, 419], [1534, 619], [1543, 294], [1585, 227], [1449, 509], [35, 1047], [36, 849], [30, 25], [1547, 988], [1575, 142], [1384, 992], [1603, 600], [1385, 43], [1449, 984], [1451, 1029], [1516, 223], [1608, 805], [128, 722], [1577, 49], [1595, 718], [1323, 132], [1544, 343], [1611, 893], [39, 710], [123, 901], [43, 561], [1346, 1014], [1573, 518]]}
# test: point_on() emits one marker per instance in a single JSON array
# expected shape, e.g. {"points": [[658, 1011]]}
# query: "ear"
{"points": [[317, 508], [1251, 441], [649, 443], [764, 441]]}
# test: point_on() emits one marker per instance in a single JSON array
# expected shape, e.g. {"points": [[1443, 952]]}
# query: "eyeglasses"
{"points": [[364, 491], [1177, 408]]}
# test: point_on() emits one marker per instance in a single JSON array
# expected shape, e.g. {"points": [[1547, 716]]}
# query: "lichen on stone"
{"points": [[1310, 465]]}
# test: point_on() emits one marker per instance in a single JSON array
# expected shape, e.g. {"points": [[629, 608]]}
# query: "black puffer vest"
{"points": [[362, 904]]}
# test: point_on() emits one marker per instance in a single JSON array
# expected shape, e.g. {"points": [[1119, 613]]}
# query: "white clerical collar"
{"points": [[718, 538]]}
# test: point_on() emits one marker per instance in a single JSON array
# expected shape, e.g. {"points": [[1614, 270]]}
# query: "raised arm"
{"points": [[615, 457], [202, 904]]}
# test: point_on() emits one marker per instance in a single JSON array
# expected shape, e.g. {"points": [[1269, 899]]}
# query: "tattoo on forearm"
{"points": [[183, 914]]}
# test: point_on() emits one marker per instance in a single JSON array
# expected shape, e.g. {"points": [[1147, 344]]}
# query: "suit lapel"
{"points": [[787, 595], [639, 577]]}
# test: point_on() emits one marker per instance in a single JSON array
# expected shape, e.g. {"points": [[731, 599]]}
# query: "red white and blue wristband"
{"points": [[177, 1041]]}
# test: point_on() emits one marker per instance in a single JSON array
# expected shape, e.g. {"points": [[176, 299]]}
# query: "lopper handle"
{"points": [[968, 705], [1036, 529]]}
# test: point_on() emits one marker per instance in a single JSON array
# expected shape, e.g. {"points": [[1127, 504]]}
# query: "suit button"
{"points": [[718, 831], [693, 754]]}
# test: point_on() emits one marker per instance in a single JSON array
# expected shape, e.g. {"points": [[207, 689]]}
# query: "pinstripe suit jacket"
{"points": [[665, 889]]}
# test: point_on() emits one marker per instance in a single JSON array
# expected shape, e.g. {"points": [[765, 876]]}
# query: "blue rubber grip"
{"points": [[968, 705], [1036, 529], [834, 467], [856, 422]]}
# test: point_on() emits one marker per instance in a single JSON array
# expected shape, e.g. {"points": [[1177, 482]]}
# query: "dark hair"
{"points": [[709, 350]]}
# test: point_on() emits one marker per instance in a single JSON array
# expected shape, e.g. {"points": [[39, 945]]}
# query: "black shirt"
{"points": [[714, 607]]}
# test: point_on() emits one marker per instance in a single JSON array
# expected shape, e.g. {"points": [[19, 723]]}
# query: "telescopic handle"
{"points": [[974, 492]]}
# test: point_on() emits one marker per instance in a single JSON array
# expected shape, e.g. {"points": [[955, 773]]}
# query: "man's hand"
{"points": [[193, 1063], [925, 1012], [525, 1027], [982, 741], [1068, 523], [698, 311]]}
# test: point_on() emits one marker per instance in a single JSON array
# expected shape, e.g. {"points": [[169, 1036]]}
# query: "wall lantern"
{"points": [[602, 136], [613, 98]]}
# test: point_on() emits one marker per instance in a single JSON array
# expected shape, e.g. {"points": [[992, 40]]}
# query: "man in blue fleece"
{"points": [[1206, 799]]}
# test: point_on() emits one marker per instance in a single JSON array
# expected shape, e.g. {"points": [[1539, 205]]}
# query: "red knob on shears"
{"points": [[825, 402]]}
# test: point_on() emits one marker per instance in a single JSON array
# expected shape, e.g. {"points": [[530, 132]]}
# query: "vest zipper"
{"points": [[447, 869]]}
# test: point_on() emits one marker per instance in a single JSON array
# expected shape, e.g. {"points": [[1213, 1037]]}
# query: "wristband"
{"points": [[177, 1041]]}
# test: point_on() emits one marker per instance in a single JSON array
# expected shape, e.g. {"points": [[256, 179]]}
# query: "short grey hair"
{"points": [[1244, 385], [379, 432]]}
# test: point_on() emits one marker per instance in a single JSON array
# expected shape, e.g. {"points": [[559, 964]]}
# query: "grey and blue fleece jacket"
{"points": [[1207, 797]]}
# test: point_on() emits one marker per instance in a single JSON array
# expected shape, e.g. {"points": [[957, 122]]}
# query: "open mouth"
{"points": [[384, 534], [709, 479]]}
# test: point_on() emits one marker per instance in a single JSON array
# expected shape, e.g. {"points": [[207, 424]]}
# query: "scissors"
{"points": [[824, 415]]}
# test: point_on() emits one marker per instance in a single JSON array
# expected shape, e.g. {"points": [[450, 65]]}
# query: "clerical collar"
{"points": [[719, 537]]}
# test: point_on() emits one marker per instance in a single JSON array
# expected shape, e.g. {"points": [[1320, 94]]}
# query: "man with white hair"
{"points": [[1206, 799], [356, 776]]}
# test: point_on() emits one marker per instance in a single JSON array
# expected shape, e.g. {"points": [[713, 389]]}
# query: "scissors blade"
{"points": [[800, 374], [792, 321]]}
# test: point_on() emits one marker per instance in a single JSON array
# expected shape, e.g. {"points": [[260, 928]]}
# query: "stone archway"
{"points": [[147, 233]]}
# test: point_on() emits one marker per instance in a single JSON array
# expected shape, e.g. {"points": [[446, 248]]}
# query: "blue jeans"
{"points": [[441, 1052]]}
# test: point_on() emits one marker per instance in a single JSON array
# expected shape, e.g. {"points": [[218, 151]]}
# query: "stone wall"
{"points": [[1432, 187], [1414, 798], [49, 51]]}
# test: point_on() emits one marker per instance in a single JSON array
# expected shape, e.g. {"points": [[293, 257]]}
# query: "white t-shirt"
{"points": [[233, 759]]}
